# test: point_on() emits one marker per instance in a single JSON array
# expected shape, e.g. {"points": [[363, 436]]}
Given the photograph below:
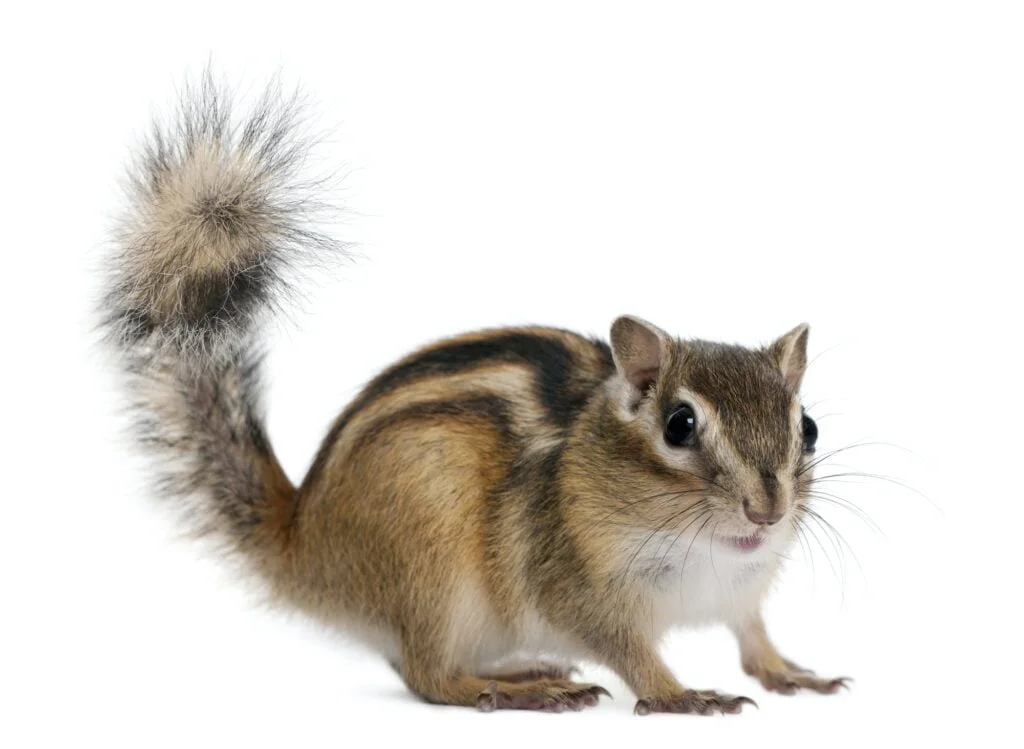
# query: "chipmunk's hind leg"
{"points": [[530, 669], [551, 695], [428, 676]]}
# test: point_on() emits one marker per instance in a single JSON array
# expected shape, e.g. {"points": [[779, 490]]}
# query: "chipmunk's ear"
{"points": [[790, 353], [638, 348]]}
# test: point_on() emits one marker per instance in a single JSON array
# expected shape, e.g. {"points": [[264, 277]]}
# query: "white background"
{"points": [[724, 170]]}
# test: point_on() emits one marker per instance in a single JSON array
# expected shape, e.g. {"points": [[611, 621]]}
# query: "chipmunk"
{"points": [[490, 509]]}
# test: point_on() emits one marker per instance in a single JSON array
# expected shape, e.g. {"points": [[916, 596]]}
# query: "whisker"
{"points": [[840, 557], [839, 537], [832, 453], [671, 495], [711, 554], [683, 530], [847, 505], [828, 559], [692, 540], [660, 526], [798, 523], [805, 550], [843, 475]]}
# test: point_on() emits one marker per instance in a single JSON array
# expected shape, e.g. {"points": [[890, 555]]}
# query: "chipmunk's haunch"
{"points": [[489, 501]]}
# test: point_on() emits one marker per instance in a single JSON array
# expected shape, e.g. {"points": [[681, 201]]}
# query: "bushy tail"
{"points": [[220, 214]]}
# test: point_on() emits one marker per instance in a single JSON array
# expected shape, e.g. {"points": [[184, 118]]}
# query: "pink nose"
{"points": [[770, 517]]}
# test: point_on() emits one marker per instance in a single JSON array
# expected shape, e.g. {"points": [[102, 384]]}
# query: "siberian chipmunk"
{"points": [[488, 509]]}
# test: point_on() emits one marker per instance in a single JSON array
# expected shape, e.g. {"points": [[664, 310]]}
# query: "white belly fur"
{"points": [[704, 583], [687, 585]]}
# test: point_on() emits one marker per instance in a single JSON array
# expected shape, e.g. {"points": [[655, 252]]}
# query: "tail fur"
{"points": [[219, 216]]}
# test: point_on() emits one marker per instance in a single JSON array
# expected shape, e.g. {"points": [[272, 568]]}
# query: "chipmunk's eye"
{"points": [[681, 428], [810, 433]]}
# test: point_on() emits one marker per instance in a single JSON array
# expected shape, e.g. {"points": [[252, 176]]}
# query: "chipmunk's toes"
{"points": [[790, 682], [549, 696], [694, 702]]}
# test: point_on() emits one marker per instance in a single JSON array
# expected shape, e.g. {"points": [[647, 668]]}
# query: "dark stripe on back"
{"points": [[489, 407], [551, 359]]}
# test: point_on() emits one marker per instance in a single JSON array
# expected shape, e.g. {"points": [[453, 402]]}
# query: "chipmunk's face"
{"points": [[723, 435]]}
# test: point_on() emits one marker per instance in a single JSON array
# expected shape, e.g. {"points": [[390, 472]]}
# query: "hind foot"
{"points": [[553, 695]]}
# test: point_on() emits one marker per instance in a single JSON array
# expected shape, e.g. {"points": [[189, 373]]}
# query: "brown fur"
{"points": [[502, 494]]}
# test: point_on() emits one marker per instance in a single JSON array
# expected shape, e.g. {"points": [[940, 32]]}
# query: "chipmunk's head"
{"points": [[717, 440]]}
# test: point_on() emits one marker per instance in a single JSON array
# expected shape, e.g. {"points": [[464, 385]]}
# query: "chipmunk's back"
{"points": [[530, 382]]}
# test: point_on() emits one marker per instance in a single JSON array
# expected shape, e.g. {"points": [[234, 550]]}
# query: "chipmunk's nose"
{"points": [[769, 515]]}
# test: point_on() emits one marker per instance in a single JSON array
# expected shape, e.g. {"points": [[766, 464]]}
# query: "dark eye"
{"points": [[681, 428], [810, 433]]}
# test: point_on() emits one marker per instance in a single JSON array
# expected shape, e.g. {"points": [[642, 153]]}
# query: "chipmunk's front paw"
{"points": [[791, 678], [704, 702]]}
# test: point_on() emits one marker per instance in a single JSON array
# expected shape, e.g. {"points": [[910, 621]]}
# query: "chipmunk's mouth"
{"points": [[745, 543]]}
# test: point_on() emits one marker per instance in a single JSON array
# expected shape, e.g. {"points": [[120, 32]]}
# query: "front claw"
{"points": [[792, 678], [693, 702]]}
